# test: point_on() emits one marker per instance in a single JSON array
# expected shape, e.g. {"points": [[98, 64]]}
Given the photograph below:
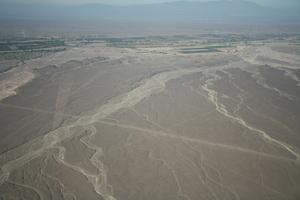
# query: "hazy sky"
{"points": [[269, 3]]}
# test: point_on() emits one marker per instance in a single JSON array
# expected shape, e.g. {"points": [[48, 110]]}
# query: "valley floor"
{"points": [[153, 122]]}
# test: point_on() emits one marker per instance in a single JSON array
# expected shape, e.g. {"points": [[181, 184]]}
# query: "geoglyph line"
{"points": [[154, 84], [213, 97], [149, 86], [38, 110], [197, 141]]}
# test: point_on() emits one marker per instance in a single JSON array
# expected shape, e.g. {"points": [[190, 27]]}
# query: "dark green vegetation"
{"points": [[120, 43], [29, 45], [211, 41], [207, 49], [15, 50]]}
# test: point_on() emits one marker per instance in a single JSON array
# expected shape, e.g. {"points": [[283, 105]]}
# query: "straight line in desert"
{"points": [[160, 133], [195, 140], [37, 110], [154, 84], [213, 97]]}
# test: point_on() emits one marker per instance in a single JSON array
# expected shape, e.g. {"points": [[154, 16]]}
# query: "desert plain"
{"points": [[159, 118]]}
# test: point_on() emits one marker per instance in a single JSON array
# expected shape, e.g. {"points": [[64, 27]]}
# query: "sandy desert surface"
{"points": [[182, 119]]}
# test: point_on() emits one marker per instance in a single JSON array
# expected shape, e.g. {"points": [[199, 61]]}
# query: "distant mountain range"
{"points": [[221, 10]]}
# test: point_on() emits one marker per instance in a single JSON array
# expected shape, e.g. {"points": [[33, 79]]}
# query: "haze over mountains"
{"points": [[220, 10]]}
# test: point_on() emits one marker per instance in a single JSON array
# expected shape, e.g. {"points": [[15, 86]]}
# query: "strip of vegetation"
{"points": [[207, 49], [17, 51], [30, 45], [201, 51]]}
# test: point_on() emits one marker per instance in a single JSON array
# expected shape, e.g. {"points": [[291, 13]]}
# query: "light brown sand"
{"points": [[150, 123]]}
